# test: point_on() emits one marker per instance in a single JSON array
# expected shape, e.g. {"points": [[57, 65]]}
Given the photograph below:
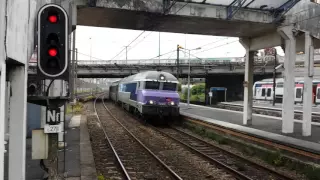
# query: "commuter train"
{"points": [[150, 94], [263, 90]]}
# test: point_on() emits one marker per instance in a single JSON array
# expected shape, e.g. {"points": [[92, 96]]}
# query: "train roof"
{"points": [[296, 79], [151, 76]]}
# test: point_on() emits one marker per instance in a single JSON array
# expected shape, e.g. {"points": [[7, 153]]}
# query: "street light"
{"points": [[198, 48]]}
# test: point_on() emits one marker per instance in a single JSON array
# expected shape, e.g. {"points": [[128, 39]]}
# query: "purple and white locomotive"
{"points": [[149, 93]]}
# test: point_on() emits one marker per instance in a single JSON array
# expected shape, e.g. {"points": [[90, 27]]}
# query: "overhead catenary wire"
{"points": [[138, 42], [216, 41], [129, 44], [152, 26], [217, 46], [164, 54], [86, 55]]}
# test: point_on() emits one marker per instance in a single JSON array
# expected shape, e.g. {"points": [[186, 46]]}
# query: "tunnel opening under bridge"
{"points": [[233, 84]]}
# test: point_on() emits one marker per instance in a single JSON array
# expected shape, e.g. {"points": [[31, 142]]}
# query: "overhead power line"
{"points": [[152, 26], [164, 54], [213, 42], [217, 46], [129, 44], [86, 55], [140, 41]]}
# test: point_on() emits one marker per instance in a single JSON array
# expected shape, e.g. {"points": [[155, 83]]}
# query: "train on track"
{"points": [[263, 90], [150, 94]]}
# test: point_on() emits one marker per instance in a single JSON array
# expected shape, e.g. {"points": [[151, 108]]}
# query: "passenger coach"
{"points": [[149, 93]]}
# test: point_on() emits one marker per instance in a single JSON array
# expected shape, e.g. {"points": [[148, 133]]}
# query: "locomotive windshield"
{"points": [[152, 85], [170, 86]]}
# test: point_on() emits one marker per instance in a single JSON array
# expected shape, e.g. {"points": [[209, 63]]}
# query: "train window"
{"points": [[269, 92], [263, 93], [169, 86], [280, 84], [299, 93], [152, 85]]}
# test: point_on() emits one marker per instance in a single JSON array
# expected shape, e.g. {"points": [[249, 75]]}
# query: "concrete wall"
{"points": [[306, 17]]}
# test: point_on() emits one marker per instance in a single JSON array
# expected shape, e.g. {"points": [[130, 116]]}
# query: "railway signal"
{"points": [[53, 42]]}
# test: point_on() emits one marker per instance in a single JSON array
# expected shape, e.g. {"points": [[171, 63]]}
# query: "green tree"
{"points": [[198, 89], [179, 87]]}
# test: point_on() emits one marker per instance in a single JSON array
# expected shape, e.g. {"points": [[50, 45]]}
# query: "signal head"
{"points": [[53, 55], [53, 18]]}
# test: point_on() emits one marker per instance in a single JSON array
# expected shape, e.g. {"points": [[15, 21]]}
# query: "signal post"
{"points": [[52, 66]]}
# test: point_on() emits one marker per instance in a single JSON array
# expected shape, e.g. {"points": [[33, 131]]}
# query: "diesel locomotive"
{"points": [[149, 93]]}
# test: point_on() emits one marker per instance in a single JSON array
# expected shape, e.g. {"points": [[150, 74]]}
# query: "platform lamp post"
{"points": [[198, 48]]}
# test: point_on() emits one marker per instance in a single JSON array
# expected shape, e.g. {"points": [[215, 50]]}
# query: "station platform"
{"points": [[268, 127], [267, 104], [78, 162]]}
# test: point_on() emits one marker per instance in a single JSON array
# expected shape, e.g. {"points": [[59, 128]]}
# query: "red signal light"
{"points": [[53, 19], [52, 52]]}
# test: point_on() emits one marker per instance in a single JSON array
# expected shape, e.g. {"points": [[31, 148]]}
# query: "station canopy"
{"points": [[251, 4]]}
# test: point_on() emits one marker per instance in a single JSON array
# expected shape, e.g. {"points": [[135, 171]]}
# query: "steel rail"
{"points": [[245, 136], [229, 169], [234, 155], [175, 175], [109, 142]]}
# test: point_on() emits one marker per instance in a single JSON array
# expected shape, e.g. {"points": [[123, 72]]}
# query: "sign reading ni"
{"points": [[53, 116]]}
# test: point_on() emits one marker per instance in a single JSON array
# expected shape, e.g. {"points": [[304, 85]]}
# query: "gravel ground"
{"points": [[185, 163], [106, 163], [137, 161], [234, 162], [282, 170]]}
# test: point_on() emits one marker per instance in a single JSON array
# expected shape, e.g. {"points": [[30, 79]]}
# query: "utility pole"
{"points": [[73, 64], [90, 48], [189, 81], [127, 53], [274, 78], [159, 47], [76, 71], [178, 47]]}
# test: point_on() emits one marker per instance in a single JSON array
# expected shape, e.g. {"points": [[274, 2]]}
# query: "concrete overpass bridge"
{"points": [[199, 68]]}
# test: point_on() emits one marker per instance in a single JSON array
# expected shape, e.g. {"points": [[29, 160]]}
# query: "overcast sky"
{"points": [[106, 43]]}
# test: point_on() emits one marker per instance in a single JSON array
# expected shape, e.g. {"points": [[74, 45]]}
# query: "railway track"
{"points": [[135, 160], [239, 166], [267, 111]]}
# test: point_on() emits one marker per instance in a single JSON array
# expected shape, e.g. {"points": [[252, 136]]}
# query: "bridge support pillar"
{"points": [[248, 83], [308, 86], [289, 83], [18, 123]]}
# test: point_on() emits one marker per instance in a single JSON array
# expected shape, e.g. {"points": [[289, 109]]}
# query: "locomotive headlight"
{"points": [[151, 102], [172, 103]]}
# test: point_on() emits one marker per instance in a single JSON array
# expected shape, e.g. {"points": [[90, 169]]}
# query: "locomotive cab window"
{"points": [[318, 93], [170, 86], [152, 85]]}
